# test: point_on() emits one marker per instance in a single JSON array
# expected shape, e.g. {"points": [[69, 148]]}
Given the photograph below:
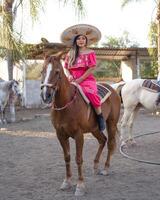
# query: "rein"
{"points": [[55, 87], [54, 107]]}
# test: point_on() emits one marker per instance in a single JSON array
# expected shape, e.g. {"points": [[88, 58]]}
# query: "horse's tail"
{"points": [[120, 94], [119, 90]]}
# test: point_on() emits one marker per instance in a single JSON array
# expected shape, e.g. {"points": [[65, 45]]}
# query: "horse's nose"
{"points": [[46, 97]]}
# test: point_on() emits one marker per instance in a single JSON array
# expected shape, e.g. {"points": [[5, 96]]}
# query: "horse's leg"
{"points": [[80, 188], [66, 150], [112, 129], [124, 123], [101, 140], [4, 121], [1, 118], [130, 125], [12, 112]]}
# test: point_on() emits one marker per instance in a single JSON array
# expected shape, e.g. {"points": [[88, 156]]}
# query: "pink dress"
{"points": [[89, 87]]}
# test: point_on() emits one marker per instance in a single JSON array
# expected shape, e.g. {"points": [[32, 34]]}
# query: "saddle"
{"points": [[103, 92], [151, 86]]}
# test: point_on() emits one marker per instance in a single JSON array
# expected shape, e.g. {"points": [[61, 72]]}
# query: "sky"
{"points": [[107, 15]]}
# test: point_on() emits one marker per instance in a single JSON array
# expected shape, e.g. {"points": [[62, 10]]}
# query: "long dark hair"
{"points": [[74, 52]]}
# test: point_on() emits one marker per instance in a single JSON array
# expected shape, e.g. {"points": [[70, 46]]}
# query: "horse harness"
{"points": [[55, 87], [54, 107]]}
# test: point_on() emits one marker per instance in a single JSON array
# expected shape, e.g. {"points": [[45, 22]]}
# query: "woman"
{"points": [[80, 63]]}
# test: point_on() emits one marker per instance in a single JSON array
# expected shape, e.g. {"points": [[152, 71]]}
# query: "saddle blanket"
{"points": [[151, 86], [103, 92]]}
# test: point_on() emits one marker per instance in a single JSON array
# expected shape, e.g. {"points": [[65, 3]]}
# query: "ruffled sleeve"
{"points": [[91, 59], [66, 61]]}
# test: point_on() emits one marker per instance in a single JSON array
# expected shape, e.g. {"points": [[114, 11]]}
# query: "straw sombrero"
{"points": [[91, 32]]}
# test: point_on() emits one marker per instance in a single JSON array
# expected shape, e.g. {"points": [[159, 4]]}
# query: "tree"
{"points": [[11, 46], [125, 2], [119, 42], [112, 68]]}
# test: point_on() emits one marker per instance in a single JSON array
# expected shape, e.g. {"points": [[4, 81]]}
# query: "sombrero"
{"points": [[91, 32]]}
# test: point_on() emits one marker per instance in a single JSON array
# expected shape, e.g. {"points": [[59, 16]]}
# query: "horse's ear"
{"points": [[46, 56]]}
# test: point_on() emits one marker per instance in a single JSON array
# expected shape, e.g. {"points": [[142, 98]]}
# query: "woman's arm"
{"points": [[68, 74], [85, 75]]}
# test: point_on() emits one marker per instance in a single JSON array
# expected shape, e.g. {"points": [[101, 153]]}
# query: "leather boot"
{"points": [[101, 123]]}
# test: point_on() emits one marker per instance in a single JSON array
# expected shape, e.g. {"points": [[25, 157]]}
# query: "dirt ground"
{"points": [[32, 165]]}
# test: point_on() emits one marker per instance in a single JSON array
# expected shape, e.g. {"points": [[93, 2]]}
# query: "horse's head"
{"points": [[51, 75], [15, 92], [15, 88]]}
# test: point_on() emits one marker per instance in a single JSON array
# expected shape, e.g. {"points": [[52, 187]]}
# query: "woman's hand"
{"points": [[85, 75], [70, 78], [78, 80]]}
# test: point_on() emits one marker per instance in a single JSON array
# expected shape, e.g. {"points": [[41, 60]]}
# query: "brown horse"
{"points": [[72, 117]]}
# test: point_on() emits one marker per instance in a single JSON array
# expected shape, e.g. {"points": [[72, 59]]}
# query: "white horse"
{"points": [[9, 93], [135, 96], [118, 86]]}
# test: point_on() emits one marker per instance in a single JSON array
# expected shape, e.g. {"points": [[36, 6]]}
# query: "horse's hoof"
{"points": [[131, 143], [123, 144], [65, 185], [80, 190], [103, 172], [96, 171]]}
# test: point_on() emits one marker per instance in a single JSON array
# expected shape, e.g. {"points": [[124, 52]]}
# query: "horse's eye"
{"points": [[57, 71]]}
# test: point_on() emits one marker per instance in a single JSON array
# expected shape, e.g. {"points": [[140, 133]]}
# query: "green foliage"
{"points": [[108, 69], [112, 68], [119, 42], [10, 39], [78, 6], [151, 69], [153, 34], [148, 69], [35, 7], [126, 2]]}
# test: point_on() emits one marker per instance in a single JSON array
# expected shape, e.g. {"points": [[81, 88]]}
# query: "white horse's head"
{"points": [[15, 92], [15, 88]]}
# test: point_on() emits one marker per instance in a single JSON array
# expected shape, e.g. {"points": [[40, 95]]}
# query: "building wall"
{"points": [[17, 71], [31, 94], [129, 69], [3, 70]]}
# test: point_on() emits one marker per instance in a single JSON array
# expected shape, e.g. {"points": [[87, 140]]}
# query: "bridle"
{"points": [[55, 89], [50, 85]]}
